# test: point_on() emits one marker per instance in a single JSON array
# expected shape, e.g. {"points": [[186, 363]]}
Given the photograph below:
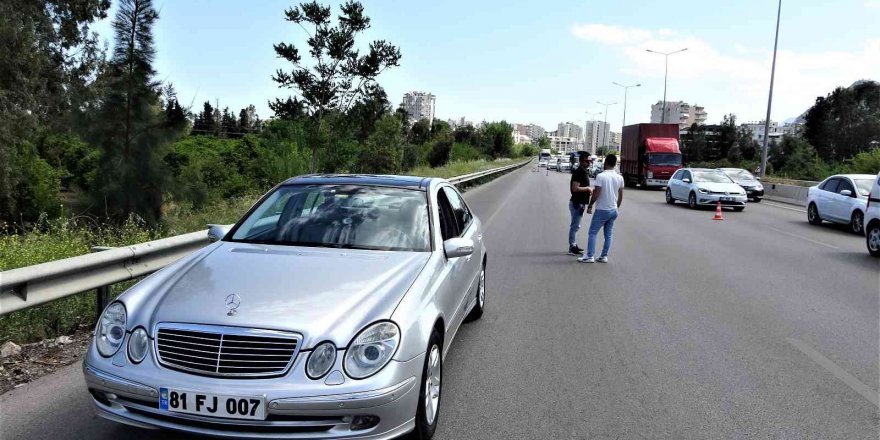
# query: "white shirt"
{"points": [[610, 182]]}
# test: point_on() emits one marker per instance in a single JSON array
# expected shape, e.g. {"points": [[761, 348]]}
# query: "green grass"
{"points": [[50, 240]]}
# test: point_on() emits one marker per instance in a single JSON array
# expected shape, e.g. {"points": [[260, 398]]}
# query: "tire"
{"points": [[425, 425], [857, 223], [692, 201], [813, 215], [739, 208], [757, 200], [872, 238], [669, 198], [480, 306]]}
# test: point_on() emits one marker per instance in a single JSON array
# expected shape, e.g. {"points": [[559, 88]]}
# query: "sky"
{"points": [[543, 62]]}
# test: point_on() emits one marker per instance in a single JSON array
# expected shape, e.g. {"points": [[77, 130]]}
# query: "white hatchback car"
{"points": [[840, 199], [701, 186], [872, 219]]}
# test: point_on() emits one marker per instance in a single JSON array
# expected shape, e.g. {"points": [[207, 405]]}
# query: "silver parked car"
{"points": [[325, 312], [701, 186]]}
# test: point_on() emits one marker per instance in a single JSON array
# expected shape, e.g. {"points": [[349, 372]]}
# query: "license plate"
{"points": [[727, 199], [212, 405]]}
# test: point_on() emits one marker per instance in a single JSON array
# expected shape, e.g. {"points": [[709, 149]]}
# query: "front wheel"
{"points": [[757, 200], [813, 215], [692, 201], [739, 208], [857, 223], [872, 239], [477, 311], [429, 395], [669, 198]]}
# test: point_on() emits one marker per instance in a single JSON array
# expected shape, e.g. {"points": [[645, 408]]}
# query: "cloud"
{"points": [[872, 4], [610, 34], [734, 78]]}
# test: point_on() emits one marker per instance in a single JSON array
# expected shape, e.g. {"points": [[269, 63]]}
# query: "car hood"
{"points": [[323, 294], [746, 182], [720, 187]]}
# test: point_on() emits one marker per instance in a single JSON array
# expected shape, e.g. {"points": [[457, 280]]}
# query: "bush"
{"points": [[867, 162], [465, 152]]}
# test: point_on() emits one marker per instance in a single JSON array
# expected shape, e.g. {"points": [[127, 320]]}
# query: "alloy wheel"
{"points": [[432, 385], [874, 240], [858, 222]]}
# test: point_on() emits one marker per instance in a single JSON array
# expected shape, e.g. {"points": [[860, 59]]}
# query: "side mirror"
{"points": [[846, 193], [217, 232], [686, 180], [758, 179], [458, 247]]}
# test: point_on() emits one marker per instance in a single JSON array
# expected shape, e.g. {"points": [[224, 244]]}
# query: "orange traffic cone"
{"points": [[718, 214]]}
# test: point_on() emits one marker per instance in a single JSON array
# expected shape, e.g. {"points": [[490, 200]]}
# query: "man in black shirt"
{"points": [[580, 198]]}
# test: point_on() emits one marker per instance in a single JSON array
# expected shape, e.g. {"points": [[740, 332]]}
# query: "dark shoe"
{"points": [[574, 250]]}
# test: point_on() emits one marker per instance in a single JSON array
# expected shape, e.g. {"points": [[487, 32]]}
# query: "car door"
{"points": [[469, 229], [450, 295], [674, 183], [826, 199], [684, 187], [844, 204]]}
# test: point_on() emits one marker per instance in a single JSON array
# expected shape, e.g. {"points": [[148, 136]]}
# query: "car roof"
{"points": [[362, 179], [856, 176], [701, 169]]}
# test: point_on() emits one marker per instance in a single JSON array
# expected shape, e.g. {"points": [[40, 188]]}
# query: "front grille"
{"points": [[225, 351]]}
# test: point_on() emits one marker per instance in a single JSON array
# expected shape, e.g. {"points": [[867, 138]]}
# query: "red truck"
{"points": [[649, 154]]}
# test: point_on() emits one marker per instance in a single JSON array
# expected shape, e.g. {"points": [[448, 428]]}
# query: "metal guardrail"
{"points": [[29, 286]]}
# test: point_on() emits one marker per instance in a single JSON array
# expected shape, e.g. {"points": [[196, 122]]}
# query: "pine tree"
{"points": [[129, 128]]}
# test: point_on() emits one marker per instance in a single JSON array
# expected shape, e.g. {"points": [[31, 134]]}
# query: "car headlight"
{"points": [[321, 360], [111, 330], [371, 350], [759, 187], [703, 190], [138, 344]]}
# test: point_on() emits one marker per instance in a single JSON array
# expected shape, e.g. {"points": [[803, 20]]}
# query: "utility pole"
{"points": [[665, 76], [626, 89], [605, 128], [770, 98]]}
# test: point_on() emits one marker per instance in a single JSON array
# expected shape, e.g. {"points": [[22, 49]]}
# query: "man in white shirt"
{"points": [[607, 196]]}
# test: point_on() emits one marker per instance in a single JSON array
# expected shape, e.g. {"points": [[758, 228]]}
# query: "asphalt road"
{"points": [[759, 326]]}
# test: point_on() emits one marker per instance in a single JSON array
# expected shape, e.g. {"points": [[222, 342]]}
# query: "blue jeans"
{"points": [[577, 213], [601, 218]]}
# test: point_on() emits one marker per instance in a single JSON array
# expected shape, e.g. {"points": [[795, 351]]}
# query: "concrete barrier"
{"points": [[794, 194]]}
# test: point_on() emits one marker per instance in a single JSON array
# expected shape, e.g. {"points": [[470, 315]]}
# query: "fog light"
{"points": [[359, 423]]}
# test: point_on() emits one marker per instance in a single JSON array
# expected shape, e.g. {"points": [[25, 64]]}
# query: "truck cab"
{"points": [[649, 154]]}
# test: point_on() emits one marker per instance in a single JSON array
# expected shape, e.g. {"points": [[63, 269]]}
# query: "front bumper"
{"points": [[726, 200], [297, 408], [754, 193]]}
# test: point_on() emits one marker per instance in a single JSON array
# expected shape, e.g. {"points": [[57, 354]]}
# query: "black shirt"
{"points": [[580, 176]]}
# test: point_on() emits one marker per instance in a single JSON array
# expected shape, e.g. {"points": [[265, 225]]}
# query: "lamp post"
{"points": [[605, 128], [625, 89], [665, 76], [770, 98]]}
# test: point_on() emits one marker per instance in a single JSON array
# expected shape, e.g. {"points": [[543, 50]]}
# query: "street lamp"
{"points": [[770, 98], [666, 75], [625, 89], [605, 128]]}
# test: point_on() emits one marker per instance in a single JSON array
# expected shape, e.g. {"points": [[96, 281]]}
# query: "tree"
{"points": [[544, 142], [420, 132], [204, 123], [175, 117], [230, 124], [132, 177], [846, 122], [367, 111], [48, 60], [248, 120], [383, 150], [340, 73], [496, 140]]}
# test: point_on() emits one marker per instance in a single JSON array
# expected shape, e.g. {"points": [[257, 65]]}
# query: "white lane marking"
{"points": [[801, 237], [785, 207], [856, 385]]}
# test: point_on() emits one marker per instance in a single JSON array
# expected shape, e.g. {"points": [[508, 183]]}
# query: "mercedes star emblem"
{"points": [[232, 303]]}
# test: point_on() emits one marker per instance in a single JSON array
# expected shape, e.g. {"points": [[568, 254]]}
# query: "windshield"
{"points": [[739, 174], [711, 177], [863, 186], [664, 159], [340, 216], [545, 156]]}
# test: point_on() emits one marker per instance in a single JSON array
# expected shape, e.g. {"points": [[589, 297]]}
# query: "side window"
{"points": [[677, 175], [831, 185], [448, 226], [686, 175], [845, 184], [459, 208]]}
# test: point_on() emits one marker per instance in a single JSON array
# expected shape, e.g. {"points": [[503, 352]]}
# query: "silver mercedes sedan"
{"points": [[325, 312]]}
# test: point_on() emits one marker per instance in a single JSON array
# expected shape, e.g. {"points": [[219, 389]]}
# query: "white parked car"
{"points": [[840, 199], [563, 164], [702, 186], [872, 219]]}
